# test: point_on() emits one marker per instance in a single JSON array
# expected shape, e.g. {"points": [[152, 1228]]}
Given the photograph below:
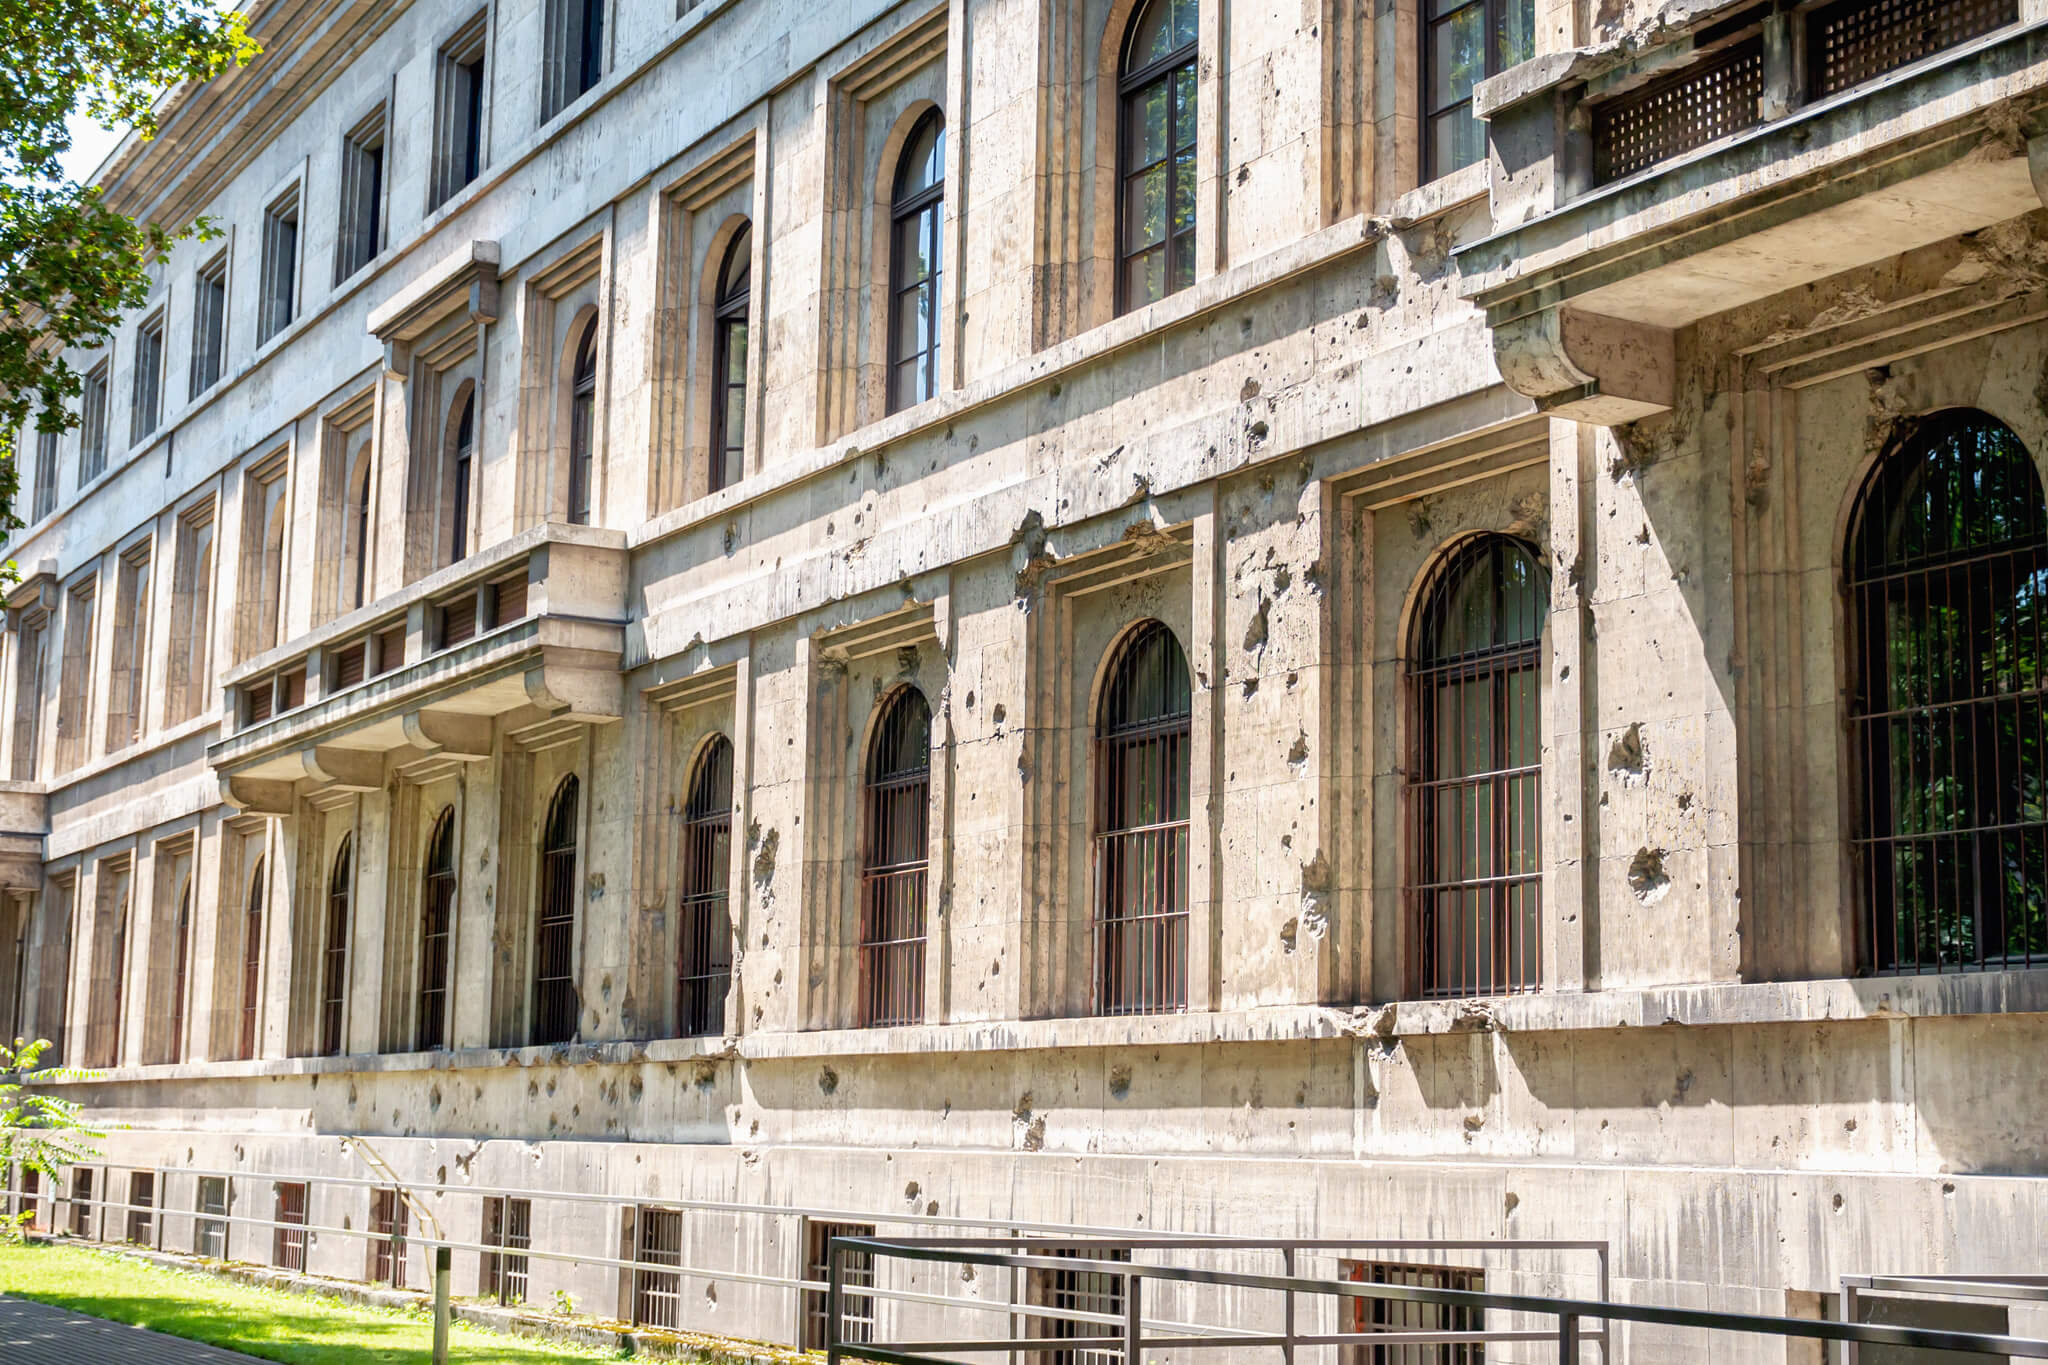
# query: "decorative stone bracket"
{"points": [[1590, 368]]}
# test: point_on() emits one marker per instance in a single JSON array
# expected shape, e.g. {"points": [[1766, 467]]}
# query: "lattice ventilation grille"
{"points": [[1851, 43], [1672, 116]]}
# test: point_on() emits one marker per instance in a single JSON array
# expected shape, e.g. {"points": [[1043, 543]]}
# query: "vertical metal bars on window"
{"points": [[1395, 1315], [508, 1223], [389, 1215], [288, 1239], [437, 916], [857, 1272], [1475, 799], [1946, 569], [1141, 828], [704, 922], [1078, 1291], [895, 850], [141, 1207], [657, 1294], [210, 1230], [555, 1005]]}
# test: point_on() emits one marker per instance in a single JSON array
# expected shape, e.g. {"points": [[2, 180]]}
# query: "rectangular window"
{"points": [[658, 1293], [141, 1207], [508, 1223], [82, 1206], [361, 232], [1078, 1291], [130, 664], [146, 398], [1394, 1315], [387, 1238], [74, 700], [288, 1241], [209, 324], [92, 426], [32, 649], [459, 112], [280, 268], [210, 1229], [575, 53], [857, 1271], [46, 475], [1463, 43], [189, 669], [263, 537]]}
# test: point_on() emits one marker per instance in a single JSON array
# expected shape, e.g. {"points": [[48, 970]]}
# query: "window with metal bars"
{"points": [[555, 1005], [1078, 1291], [508, 1224], [210, 1229], [31, 1199], [1858, 40], [252, 959], [857, 1271], [1464, 42], [1715, 98], [1474, 877], [915, 257], [895, 854], [729, 361], [334, 957], [1141, 828], [1156, 121], [81, 1201], [1394, 1315], [437, 920], [141, 1207], [658, 1292], [582, 424], [1946, 568], [288, 1238], [704, 920], [389, 1215]]}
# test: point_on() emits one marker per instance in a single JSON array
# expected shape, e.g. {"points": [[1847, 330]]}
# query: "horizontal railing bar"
{"points": [[1116, 1343], [2021, 1288]]}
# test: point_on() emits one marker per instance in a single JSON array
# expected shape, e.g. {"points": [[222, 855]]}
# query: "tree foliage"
{"points": [[39, 1131], [70, 265]]}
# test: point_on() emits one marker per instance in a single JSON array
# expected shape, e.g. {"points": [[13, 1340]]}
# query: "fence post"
{"points": [[441, 1258], [832, 1273], [1134, 1314], [1568, 1339], [1287, 1313]]}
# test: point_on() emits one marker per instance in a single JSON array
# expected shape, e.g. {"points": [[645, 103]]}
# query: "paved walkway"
{"points": [[37, 1334]]}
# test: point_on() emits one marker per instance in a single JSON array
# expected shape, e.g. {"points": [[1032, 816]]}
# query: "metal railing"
{"points": [[1573, 1324]]}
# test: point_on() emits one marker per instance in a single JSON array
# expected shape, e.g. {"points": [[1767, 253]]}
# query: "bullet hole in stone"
{"points": [[732, 537], [1293, 681], [1288, 935], [1647, 877], [711, 1296], [1249, 391], [1643, 536], [1256, 630], [1564, 673], [1258, 431], [931, 1209], [764, 861], [1948, 1187], [1297, 753], [1000, 714], [911, 1191], [1054, 390], [434, 1098], [1509, 1203], [970, 700], [1685, 801], [828, 1081], [635, 1088], [1283, 579], [1625, 757], [1838, 1203], [1250, 688], [533, 1090], [1119, 1081]]}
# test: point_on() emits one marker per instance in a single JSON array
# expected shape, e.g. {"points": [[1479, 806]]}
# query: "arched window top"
{"points": [[1161, 31], [441, 845], [736, 272], [256, 884], [1148, 684], [902, 743], [560, 833], [711, 782], [584, 373], [1961, 484], [1489, 595], [921, 170], [344, 857], [465, 423]]}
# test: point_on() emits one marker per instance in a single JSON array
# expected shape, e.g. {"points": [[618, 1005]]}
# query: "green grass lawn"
{"points": [[261, 1322]]}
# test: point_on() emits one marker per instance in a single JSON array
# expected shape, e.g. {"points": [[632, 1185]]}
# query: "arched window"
{"points": [[252, 958], [729, 360], [895, 852], [1464, 42], [356, 532], [458, 490], [555, 1006], [1141, 828], [582, 423], [437, 916], [119, 980], [334, 961], [915, 257], [1946, 570], [181, 971], [1475, 799], [1156, 154], [704, 923]]}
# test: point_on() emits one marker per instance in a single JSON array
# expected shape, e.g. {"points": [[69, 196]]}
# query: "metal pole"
{"points": [[1134, 1304], [832, 1274], [1568, 1339], [442, 1256], [1287, 1312]]}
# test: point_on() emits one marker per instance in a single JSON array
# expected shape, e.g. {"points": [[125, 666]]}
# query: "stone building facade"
{"points": [[1290, 619]]}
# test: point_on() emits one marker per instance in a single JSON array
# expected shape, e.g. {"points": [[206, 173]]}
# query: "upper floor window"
{"points": [[582, 424], [1156, 154], [209, 324], [729, 360], [334, 957], [459, 112], [92, 425], [263, 532], [1475, 799], [355, 531], [129, 668], [75, 695], [574, 53], [915, 255], [1464, 42], [146, 396], [1946, 564], [704, 935], [555, 1004], [181, 973], [1142, 777], [31, 663], [462, 455], [437, 923], [46, 474], [252, 959], [188, 671], [360, 234], [895, 853], [280, 283]]}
